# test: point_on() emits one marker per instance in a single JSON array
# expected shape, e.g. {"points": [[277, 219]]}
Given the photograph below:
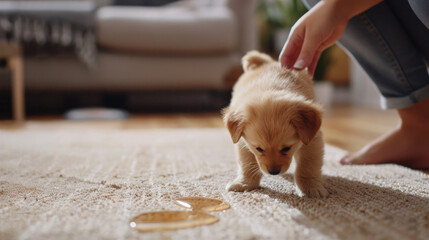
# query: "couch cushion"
{"points": [[167, 29], [132, 72]]}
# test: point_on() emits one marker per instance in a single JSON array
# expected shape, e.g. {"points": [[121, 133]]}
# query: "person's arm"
{"points": [[318, 29]]}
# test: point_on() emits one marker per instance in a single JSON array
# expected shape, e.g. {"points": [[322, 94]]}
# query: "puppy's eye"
{"points": [[285, 150], [260, 150]]}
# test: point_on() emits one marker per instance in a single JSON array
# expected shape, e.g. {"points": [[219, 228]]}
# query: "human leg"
{"points": [[406, 145], [391, 43]]}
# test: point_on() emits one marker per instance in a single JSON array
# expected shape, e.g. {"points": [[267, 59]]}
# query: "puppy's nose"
{"points": [[274, 171]]}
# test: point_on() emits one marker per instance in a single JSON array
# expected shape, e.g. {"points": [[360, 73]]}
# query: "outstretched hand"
{"points": [[318, 29]]}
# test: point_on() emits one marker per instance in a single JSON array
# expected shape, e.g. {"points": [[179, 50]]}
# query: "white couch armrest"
{"points": [[245, 11]]}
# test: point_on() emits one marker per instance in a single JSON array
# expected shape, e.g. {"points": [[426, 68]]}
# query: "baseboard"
{"points": [[58, 102]]}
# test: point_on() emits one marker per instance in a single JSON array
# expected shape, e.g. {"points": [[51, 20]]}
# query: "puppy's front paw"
{"points": [[312, 189], [317, 192], [239, 186]]}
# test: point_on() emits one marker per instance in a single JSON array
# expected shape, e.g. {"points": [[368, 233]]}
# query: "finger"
{"points": [[308, 51], [292, 48], [313, 64]]}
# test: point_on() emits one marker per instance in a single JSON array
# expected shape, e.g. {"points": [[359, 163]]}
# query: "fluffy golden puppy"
{"points": [[272, 117]]}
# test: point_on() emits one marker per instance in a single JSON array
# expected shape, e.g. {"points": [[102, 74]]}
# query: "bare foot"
{"points": [[400, 146], [406, 145]]}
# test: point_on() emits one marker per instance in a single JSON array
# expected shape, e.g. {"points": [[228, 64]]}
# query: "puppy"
{"points": [[272, 117]]}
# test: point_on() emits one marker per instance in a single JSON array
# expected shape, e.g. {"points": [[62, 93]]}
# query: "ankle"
{"points": [[415, 117]]}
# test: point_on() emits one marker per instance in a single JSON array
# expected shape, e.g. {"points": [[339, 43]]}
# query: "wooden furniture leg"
{"points": [[17, 66]]}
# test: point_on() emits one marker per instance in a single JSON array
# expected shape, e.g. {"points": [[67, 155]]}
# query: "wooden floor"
{"points": [[349, 128]]}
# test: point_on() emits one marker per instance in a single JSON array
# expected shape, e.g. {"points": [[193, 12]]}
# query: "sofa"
{"points": [[189, 45]]}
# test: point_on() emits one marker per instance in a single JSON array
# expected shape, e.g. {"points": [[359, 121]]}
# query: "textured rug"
{"points": [[89, 184]]}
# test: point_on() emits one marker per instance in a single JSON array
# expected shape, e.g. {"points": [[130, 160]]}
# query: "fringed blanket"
{"points": [[46, 26]]}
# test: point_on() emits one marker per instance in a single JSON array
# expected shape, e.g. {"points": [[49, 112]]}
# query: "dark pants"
{"points": [[391, 43]]}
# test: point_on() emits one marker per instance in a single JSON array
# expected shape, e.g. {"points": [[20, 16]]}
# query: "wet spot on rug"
{"points": [[171, 220]]}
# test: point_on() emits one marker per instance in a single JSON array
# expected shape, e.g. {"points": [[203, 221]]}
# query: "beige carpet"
{"points": [[88, 184]]}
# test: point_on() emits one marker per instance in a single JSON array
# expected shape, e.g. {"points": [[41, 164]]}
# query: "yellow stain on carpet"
{"points": [[171, 220]]}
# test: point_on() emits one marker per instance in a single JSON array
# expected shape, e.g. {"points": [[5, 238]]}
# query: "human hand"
{"points": [[318, 29]]}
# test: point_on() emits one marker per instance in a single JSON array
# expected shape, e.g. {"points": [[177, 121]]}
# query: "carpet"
{"points": [[89, 184]]}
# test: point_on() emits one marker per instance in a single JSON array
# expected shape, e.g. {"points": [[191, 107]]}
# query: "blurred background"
{"points": [[139, 56]]}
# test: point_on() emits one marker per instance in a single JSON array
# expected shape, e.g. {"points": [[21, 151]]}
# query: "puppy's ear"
{"points": [[255, 59], [306, 121], [234, 121]]}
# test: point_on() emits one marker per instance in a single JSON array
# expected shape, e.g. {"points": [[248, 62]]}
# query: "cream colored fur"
{"points": [[273, 109]]}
